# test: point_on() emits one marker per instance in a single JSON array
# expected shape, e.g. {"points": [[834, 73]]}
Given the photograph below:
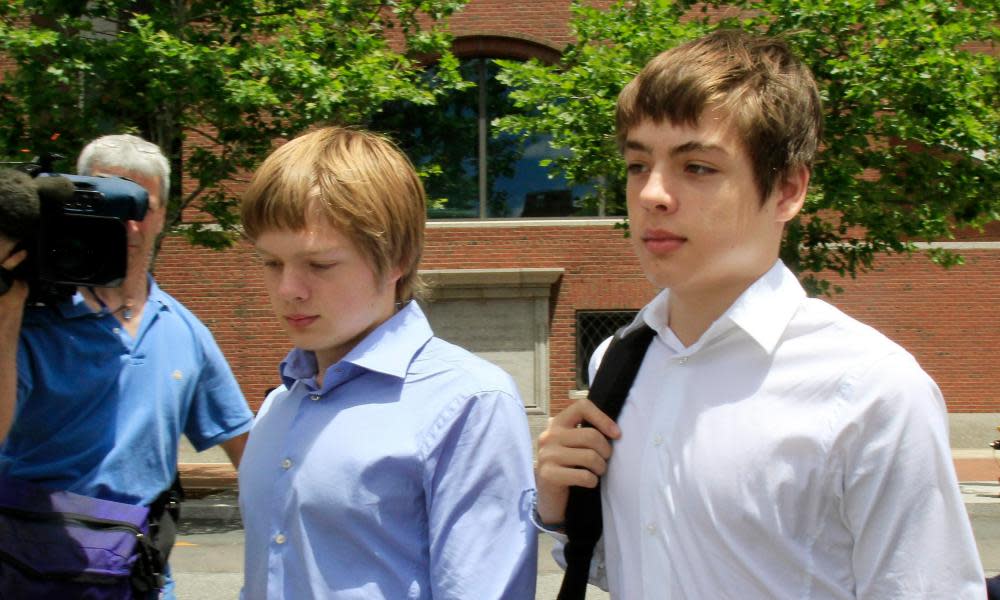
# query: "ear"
{"points": [[392, 276], [791, 194]]}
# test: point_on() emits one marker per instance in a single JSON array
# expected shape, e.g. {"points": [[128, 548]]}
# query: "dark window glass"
{"points": [[470, 171], [592, 328]]}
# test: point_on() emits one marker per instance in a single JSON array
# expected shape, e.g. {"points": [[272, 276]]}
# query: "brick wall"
{"points": [[946, 318], [545, 21]]}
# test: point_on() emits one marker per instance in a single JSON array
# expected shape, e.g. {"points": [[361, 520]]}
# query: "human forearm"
{"points": [[11, 312], [8, 388], [234, 448], [10, 329]]}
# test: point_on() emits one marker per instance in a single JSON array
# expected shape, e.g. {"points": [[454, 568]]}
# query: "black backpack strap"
{"points": [[608, 391], [164, 514], [154, 549]]}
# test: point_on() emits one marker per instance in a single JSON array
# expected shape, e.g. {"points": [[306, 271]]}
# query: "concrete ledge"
{"points": [[202, 479]]}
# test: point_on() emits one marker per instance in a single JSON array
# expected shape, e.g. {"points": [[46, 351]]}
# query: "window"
{"points": [[480, 173], [592, 328]]}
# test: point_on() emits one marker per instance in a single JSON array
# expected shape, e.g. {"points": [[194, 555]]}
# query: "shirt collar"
{"points": [[763, 310], [76, 306], [388, 349], [767, 306], [157, 295]]}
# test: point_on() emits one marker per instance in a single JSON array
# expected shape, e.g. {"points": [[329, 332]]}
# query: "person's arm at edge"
{"points": [[234, 448], [221, 415], [11, 313]]}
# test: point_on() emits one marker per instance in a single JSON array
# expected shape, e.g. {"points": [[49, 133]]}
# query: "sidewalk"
{"points": [[976, 465]]}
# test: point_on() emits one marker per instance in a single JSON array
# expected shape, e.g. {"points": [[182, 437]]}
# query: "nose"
{"points": [[291, 287], [657, 194]]}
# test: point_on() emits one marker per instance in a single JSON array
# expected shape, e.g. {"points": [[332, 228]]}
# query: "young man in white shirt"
{"points": [[770, 446]]}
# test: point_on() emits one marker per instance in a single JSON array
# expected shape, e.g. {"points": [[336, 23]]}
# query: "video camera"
{"points": [[79, 238]]}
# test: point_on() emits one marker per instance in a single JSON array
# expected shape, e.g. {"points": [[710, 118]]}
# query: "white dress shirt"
{"points": [[791, 452]]}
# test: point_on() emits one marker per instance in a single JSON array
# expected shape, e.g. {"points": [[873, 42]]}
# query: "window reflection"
{"points": [[470, 171]]}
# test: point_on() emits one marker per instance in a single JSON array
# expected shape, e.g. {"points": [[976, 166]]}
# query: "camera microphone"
{"points": [[19, 214], [19, 210], [55, 188]]}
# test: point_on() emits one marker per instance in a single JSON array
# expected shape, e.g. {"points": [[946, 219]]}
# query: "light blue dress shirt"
{"points": [[408, 474]]}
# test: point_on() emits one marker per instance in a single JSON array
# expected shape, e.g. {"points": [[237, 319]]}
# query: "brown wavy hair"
{"points": [[767, 92]]}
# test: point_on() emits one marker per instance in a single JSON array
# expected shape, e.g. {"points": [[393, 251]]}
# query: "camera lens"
{"points": [[75, 257]]}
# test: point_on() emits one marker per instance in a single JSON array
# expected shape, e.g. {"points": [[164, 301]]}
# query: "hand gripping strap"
{"points": [[584, 525]]}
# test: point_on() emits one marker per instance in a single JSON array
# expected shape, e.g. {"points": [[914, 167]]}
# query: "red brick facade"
{"points": [[947, 319]]}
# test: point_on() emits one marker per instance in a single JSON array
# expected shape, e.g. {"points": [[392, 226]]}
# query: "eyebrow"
{"points": [[692, 146], [305, 253]]}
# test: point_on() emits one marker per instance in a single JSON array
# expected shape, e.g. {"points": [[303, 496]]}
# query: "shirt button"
{"points": [[651, 528], [657, 440], [314, 397], [286, 464], [116, 331], [682, 360], [279, 539]]}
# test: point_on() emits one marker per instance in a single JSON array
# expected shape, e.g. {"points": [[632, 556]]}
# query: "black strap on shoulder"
{"points": [[608, 391]]}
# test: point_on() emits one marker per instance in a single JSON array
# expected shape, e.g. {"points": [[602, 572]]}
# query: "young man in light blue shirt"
{"points": [[390, 463]]}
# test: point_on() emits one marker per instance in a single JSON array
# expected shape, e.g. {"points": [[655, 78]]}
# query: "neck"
{"points": [[125, 301], [691, 312]]}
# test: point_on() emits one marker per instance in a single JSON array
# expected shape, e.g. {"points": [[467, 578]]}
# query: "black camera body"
{"points": [[80, 238]]}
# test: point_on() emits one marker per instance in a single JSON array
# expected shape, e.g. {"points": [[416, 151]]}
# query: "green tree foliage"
{"points": [[212, 82], [910, 148]]}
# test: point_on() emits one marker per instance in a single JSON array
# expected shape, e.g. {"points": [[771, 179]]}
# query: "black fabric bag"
{"points": [[56, 544], [164, 516], [608, 391]]}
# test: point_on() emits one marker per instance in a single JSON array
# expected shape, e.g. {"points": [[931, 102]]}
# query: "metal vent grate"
{"points": [[592, 328]]}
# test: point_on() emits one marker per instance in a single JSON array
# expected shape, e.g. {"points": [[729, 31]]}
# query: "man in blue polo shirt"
{"points": [[108, 380]]}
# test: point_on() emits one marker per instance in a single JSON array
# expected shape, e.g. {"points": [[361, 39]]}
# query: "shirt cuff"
{"points": [[536, 519]]}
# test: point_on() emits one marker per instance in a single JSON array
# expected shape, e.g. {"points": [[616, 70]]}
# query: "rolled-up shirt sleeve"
{"points": [[479, 490]]}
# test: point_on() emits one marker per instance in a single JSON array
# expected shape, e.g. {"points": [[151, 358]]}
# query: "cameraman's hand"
{"points": [[13, 298], [571, 455], [11, 311]]}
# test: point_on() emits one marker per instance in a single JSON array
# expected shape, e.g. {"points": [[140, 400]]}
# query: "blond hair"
{"points": [[361, 182], [768, 93]]}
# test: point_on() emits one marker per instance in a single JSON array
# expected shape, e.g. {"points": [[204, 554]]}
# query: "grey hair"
{"points": [[129, 153]]}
